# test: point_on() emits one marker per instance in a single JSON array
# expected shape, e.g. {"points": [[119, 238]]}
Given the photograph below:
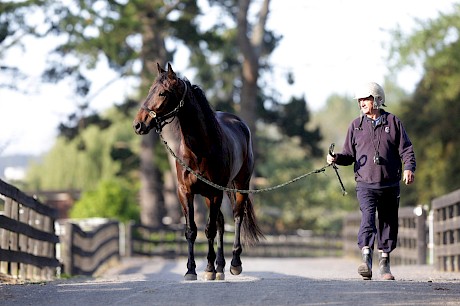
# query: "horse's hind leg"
{"points": [[220, 261], [238, 211]]}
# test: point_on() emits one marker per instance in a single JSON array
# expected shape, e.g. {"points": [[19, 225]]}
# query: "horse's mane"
{"points": [[208, 112]]}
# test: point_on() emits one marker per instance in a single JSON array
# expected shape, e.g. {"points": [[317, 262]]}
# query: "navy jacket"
{"points": [[362, 143]]}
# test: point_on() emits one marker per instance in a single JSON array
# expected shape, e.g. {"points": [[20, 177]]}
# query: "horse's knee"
{"points": [[190, 234], [210, 231]]}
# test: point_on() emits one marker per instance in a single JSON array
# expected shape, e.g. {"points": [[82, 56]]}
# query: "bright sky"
{"points": [[330, 46]]}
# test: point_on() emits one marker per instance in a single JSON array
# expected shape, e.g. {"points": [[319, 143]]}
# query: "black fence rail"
{"points": [[27, 236], [412, 237], [171, 242], [88, 246], [350, 229], [446, 229]]}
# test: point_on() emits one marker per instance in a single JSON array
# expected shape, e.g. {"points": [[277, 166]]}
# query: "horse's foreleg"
{"points": [[220, 261], [190, 235], [211, 231]]}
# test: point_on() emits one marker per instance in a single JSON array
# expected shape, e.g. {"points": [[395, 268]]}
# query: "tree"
{"points": [[95, 154], [125, 34], [113, 199], [241, 45], [428, 113], [15, 28], [128, 33]]}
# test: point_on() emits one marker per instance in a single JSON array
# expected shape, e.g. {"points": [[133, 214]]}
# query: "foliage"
{"points": [[94, 155], [95, 148], [430, 112], [16, 27], [333, 120], [313, 203], [112, 198]]}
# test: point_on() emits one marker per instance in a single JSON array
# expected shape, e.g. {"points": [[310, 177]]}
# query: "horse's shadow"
{"points": [[172, 271]]}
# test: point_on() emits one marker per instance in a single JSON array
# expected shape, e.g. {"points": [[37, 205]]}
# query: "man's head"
{"points": [[373, 90]]}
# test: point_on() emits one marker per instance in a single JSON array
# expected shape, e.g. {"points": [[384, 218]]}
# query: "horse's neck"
{"points": [[197, 134]]}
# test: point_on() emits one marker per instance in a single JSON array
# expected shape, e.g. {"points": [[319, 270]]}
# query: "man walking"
{"points": [[378, 146]]}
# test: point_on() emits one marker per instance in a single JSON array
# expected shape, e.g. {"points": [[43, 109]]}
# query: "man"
{"points": [[376, 143]]}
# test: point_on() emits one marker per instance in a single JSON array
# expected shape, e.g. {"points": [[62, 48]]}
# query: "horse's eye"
{"points": [[162, 94]]}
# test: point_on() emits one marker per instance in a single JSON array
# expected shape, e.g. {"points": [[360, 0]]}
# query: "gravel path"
{"points": [[264, 281]]}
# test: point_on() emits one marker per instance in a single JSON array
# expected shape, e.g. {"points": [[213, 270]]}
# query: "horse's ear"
{"points": [[171, 73], [160, 69]]}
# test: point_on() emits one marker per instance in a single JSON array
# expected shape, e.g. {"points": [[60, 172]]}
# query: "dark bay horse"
{"points": [[218, 146]]}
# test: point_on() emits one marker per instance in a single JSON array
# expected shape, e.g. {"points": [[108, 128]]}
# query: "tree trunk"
{"points": [[171, 200], [151, 191], [251, 50]]}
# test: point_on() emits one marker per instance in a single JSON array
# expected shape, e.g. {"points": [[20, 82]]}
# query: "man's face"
{"points": [[366, 105]]}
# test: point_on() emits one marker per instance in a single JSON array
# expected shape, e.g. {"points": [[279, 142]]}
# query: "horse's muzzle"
{"points": [[140, 128]]}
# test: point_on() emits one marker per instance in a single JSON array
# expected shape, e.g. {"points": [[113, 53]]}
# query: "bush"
{"points": [[114, 199]]}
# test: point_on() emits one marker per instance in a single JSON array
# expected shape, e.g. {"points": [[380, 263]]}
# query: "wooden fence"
{"points": [[171, 242], [28, 239], [446, 230], [412, 237], [89, 245], [27, 236]]}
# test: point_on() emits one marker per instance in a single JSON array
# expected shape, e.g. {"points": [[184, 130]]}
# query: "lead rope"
{"points": [[227, 189]]}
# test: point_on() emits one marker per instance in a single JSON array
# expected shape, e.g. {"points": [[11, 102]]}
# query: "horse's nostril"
{"points": [[137, 127]]}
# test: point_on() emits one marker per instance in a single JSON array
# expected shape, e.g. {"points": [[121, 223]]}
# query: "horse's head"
{"points": [[163, 102]]}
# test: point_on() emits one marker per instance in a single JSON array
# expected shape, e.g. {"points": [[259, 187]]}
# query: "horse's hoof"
{"points": [[220, 276], [209, 275], [236, 270], [190, 277]]}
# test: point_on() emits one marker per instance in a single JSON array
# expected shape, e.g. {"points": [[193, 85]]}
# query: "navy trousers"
{"points": [[385, 203]]}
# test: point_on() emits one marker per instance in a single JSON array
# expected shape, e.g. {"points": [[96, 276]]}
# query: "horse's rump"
{"points": [[238, 141]]}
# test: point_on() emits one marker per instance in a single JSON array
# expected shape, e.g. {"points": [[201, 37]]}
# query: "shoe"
{"points": [[384, 266], [365, 269]]}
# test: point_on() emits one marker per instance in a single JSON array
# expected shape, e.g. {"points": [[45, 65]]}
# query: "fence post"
{"points": [[129, 238], [66, 248], [121, 239], [421, 235], [14, 239], [5, 236]]}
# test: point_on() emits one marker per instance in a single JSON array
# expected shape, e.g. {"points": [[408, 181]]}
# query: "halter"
{"points": [[161, 121]]}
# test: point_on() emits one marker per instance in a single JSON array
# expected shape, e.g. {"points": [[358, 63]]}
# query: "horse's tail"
{"points": [[250, 231]]}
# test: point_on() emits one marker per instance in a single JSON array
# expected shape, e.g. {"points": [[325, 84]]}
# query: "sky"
{"points": [[330, 47]]}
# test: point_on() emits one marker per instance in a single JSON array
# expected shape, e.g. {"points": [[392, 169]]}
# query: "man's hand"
{"points": [[330, 159], [408, 177]]}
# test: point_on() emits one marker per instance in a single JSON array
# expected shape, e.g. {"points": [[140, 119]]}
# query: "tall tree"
{"points": [[251, 43], [125, 33], [430, 112], [241, 45]]}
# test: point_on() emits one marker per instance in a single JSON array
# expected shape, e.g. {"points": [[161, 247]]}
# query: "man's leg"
{"points": [[367, 230], [388, 207]]}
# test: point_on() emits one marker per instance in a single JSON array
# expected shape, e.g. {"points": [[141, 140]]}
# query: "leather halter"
{"points": [[161, 121]]}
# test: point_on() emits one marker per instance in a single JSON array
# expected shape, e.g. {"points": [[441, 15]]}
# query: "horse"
{"points": [[215, 145]]}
